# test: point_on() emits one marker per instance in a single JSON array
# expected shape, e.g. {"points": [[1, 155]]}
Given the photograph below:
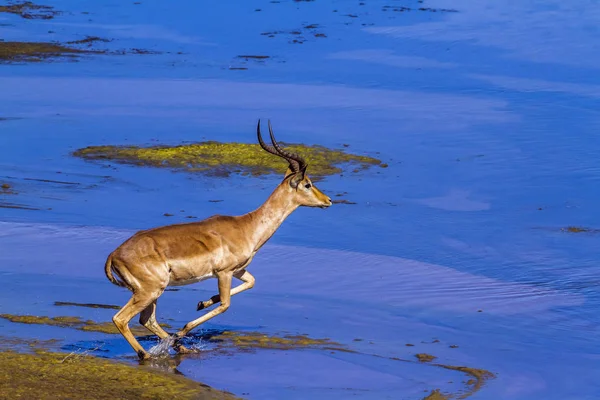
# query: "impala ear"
{"points": [[298, 177]]}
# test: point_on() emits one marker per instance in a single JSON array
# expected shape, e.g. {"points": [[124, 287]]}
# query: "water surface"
{"points": [[486, 116]]}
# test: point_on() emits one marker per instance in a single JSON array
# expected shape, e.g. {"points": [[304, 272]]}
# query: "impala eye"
{"points": [[308, 185]]}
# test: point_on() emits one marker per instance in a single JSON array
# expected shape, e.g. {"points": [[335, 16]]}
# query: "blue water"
{"points": [[487, 118]]}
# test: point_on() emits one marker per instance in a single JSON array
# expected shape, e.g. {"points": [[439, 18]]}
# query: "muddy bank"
{"points": [[223, 159], [52, 375]]}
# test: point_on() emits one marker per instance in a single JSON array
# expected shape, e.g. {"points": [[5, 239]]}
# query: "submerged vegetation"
{"points": [[88, 305], [20, 52], [35, 51], [218, 341], [436, 395], [49, 375], [478, 377], [579, 229], [29, 10], [11, 52], [258, 340], [76, 323], [222, 159], [424, 357]]}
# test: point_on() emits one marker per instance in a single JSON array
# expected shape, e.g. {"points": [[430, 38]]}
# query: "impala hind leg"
{"points": [[134, 306], [243, 276], [148, 319], [225, 295]]}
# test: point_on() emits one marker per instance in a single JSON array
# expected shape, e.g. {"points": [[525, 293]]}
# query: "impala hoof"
{"points": [[202, 305], [143, 355], [181, 349]]}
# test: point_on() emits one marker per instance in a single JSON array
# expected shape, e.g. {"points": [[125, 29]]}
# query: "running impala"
{"points": [[219, 247]]}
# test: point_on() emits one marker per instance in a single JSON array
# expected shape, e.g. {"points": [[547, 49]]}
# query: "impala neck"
{"points": [[268, 217]]}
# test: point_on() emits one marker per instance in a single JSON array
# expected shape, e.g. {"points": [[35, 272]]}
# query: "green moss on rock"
{"points": [[222, 159]]}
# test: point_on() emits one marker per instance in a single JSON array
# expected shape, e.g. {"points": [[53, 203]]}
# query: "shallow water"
{"points": [[487, 119]]}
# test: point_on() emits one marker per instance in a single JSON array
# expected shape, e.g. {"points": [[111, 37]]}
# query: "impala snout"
{"points": [[323, 201]]}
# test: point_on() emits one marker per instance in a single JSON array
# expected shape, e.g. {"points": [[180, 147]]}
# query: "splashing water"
{"points": [[161, 349], [164, 348], [197, 346]]}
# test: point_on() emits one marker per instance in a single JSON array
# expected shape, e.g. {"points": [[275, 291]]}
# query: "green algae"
{"points": [[19, 343], [229, 342], [223, 159], [258, 340], [36, 51], [76, 323], [49, 375], [20, 52]]}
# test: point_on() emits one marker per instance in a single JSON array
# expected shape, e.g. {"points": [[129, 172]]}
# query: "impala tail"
{"points": [[114, 275]]}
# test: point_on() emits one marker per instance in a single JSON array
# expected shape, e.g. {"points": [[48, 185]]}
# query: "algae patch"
{"points": [[48, 375], [29, 10], [36, 51], [479, 376], [88, 305], [223, 159], [424, 357], [579, 229], [436, 395], [229, 342], [76, 323], [15, 52], [257, 340]]}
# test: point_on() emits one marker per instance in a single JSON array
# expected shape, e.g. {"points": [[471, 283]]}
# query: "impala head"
{"points": [[296, 180]]}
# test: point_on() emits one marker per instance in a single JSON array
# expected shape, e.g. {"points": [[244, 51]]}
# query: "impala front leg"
{"points": [[225, 295], [243, 276]]}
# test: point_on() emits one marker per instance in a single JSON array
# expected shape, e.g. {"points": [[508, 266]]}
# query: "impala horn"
{"points": [[297, 163]]}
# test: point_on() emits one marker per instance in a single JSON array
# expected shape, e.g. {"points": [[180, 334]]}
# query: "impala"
{"points": [[218, 247]]}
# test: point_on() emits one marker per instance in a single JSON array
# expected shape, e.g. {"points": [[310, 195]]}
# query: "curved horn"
{"points": [[266, 147], [296, 162]]}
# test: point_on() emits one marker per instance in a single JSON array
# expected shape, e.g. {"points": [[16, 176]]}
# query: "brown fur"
{"points": [[218, 247]]}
